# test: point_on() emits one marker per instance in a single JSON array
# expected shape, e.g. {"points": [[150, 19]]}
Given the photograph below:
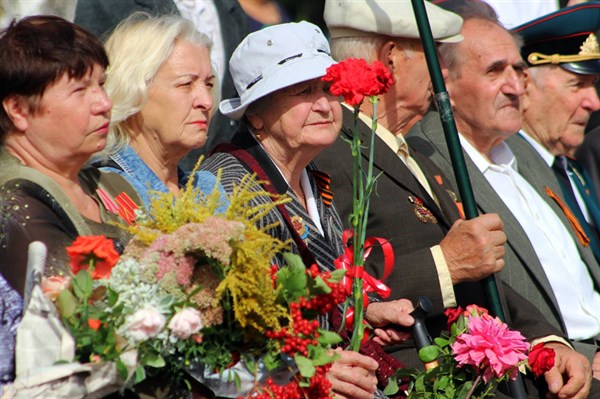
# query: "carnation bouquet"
{"points": [[194, 298], [478, 352]]}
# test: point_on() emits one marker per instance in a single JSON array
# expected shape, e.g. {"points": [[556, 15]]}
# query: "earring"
{"points": [[258, 136]]}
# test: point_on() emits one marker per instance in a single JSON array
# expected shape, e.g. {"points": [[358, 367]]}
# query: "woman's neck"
{"points": [[66, 175], [158, 160]]}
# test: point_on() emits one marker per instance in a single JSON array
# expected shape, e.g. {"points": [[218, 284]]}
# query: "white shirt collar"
{"points": [[499, 155], [544, 153]]}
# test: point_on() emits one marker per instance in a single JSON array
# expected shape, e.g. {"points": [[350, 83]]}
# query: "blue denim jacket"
{"points": [[144, 180]]}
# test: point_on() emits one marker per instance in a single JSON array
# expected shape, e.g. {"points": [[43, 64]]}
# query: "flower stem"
{"points": [[475, 383]]}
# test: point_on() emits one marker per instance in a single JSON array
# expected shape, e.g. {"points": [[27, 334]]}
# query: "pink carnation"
{"points": [[490, 346]]}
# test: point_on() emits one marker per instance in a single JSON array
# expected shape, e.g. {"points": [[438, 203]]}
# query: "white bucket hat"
{"points": [[273, 58]]}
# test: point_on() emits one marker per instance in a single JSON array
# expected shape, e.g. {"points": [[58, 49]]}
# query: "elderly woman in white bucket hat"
{"points": [[288, 116]]}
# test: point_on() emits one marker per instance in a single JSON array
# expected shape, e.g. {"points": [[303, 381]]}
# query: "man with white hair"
{"points": [[545, 260], [437, 253]]}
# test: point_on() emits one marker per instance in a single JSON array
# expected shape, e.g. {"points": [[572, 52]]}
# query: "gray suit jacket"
{"points": [[523, 270]]}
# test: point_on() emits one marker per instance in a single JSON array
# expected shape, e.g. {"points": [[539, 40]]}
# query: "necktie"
{"points": [[560, 170], [585, 191]]}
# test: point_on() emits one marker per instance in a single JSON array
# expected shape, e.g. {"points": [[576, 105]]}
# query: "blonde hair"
{"points": [[137, 49]]}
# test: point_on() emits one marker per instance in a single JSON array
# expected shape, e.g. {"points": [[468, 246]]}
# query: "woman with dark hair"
{"points": [[54, 117]]}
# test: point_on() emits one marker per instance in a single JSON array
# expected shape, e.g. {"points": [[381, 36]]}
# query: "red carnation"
{"points": [[95, 251], [354, 79], [541, 359], [452, 314]]}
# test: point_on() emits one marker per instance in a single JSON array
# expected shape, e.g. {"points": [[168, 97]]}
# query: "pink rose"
{"points": [[53, 286], [145, 323], [185, 323]]}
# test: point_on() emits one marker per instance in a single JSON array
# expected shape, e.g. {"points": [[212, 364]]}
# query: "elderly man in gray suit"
{"points": [[546, 261]]}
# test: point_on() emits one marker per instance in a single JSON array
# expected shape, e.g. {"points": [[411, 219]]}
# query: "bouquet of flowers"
{"points": [[478, 352], [194, 296]]}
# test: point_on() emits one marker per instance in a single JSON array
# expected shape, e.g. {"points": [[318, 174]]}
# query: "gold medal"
{"points": [[421, 211]]}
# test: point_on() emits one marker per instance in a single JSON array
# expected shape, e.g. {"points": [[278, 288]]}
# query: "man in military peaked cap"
{"points": [[563, 55]]}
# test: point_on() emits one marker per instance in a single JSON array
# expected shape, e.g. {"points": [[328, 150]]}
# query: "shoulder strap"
{"points": [[252, 165], [18, 172]]}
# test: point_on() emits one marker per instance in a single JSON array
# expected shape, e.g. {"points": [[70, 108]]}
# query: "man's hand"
{"points": [[596, 366], [386, 317], [352, 376], [571, 376], [474, 249]]}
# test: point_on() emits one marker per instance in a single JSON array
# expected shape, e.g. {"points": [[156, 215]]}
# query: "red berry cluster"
{"points": [[274, 269], [324, 303], [319, 388], [304, 332]]}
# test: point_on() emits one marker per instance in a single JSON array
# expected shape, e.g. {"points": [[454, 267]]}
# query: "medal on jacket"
{"points": [[300, 226], [423, 214]]}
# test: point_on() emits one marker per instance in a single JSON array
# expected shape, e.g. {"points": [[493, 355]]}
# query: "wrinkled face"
{"points": [[71, 120], [177, 113], [487, 84], [559, 106], [412, 84], [301, 118]]}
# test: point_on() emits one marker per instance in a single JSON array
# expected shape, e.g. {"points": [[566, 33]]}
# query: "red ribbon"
{"points": [[370, 283]]}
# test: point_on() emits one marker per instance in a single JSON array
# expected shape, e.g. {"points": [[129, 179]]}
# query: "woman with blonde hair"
{"points": [[163, 88]]}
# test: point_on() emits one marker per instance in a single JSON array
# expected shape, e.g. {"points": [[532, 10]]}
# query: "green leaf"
{"points": [[439, 341], [292, 278], [337, 275], [320, 286], [305, 366], [464, 390], [154, 360], [66, 303], [321, 356], [429, 353], [112, 297], [82, 284], [328, 337], [392, 387], [121, 369]]}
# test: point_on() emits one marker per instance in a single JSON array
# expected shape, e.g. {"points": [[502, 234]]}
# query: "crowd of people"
{"points": [[100, 113]]}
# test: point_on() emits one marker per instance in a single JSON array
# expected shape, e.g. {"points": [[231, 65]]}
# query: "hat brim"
{"points": [[296, 72], [591, 67]]}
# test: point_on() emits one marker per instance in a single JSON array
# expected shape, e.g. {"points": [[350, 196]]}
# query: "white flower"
{"points": [[145, 323], [185, 323]]}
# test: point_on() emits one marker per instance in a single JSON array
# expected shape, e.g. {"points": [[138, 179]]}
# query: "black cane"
{"points": [[420, 333]]}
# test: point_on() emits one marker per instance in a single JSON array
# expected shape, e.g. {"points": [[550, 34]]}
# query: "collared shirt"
{"points": [[309, 195], [398, 145], [549, 159], [205, 17], [568, 275]]}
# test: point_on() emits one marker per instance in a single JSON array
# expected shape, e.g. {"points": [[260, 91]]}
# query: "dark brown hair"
{"points": [[37, 51]]}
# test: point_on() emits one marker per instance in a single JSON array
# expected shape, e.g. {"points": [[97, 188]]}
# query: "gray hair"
{"points": [[367, 47], [137, 49], [472, 9]]}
